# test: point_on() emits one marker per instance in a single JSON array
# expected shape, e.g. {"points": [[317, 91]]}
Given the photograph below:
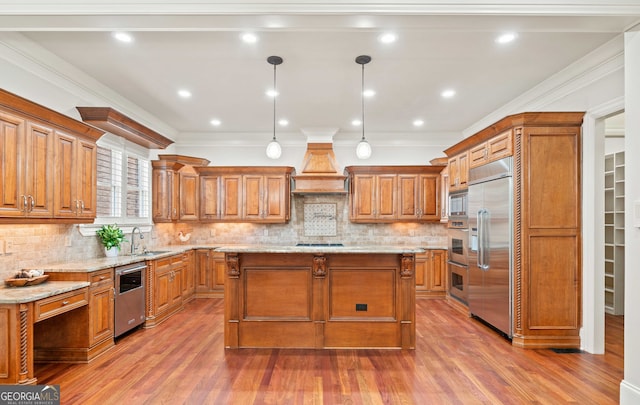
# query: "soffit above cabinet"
{"points": [[112, 121]]}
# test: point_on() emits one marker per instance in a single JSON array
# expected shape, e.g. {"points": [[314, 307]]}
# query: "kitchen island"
{"points": [[320, 296]]}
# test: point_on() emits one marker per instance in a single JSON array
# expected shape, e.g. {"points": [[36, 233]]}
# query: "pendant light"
{"points": [[274, 150], [363, 150]]}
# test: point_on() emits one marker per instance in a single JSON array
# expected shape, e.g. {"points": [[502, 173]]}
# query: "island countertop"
{"points": [[319, 248]]}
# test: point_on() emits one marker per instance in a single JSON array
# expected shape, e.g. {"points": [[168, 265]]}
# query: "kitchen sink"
{"points": [[154, 252]]}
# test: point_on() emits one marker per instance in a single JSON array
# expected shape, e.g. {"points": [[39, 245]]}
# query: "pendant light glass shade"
{"points": [[274, 150], [363, 150]]}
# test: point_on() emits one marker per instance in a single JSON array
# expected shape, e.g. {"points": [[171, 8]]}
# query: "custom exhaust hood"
{"points": [[320, 173]]}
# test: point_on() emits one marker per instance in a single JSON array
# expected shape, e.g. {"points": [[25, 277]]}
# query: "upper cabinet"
{"points": [[459, 171], [394, 193], [245, 194], [494, 149], [47, 164], [175, 188], [75, 177]]}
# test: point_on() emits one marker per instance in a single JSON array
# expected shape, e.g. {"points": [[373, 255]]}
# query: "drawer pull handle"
{"points": [[102, 277], [65, 302]]}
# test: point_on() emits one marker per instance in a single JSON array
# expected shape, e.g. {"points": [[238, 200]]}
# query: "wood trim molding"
{"points": [[110, 120], [41, 114]]}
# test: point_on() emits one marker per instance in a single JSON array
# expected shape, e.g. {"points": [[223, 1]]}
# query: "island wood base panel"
{"points": [[304, 300]]}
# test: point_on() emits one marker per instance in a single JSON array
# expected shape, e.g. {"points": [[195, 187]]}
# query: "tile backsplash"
{"points": [[30, 246]]}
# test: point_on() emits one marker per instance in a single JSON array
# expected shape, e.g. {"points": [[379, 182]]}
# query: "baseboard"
{"points": [[629, 393]]}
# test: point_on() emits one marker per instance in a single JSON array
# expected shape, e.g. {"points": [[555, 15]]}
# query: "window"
{"points": [[123, 184]]}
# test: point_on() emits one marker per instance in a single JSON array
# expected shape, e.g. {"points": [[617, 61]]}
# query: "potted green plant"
{"points": [[111, 237]]}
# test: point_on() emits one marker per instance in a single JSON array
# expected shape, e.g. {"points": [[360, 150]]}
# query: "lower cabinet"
{"points": [[431, 273], [83, 334], [210, 269], [188, 276], [170, 283]]}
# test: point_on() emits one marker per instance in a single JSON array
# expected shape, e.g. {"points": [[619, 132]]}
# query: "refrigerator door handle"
{"points": [[479, 237], [483, 242]]}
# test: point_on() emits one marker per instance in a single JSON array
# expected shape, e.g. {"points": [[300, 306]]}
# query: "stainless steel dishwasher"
{"points": [[129, 309]]}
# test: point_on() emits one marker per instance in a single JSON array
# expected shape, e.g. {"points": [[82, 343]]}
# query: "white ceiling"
{"points": [[319, 81]]}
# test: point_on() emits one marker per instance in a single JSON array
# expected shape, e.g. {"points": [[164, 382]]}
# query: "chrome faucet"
{"points": [[133, 242]]}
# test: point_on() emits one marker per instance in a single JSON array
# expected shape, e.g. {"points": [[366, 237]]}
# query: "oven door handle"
{"points": [[133, 270]]}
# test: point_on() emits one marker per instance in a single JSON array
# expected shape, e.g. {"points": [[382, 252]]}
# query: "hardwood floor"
{"points": [[457, 361]]}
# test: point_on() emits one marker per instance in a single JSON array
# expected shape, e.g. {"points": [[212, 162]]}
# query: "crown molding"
{"points": [[159, 7], [602, 62], [18, 50]]}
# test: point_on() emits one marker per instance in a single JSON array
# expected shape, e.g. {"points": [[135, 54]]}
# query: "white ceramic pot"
{"points": [[113, 252]]}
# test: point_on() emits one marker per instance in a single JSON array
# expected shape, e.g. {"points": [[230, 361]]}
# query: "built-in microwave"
{"points": [[458, 204]]}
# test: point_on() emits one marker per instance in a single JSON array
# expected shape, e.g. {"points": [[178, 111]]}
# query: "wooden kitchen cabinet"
{"points": [[431, 273], [459, 171], [170, 281], [547, 271], [493, 149], [209, 197], [175, 188], [210, 272], [266, 197], [47, 164], [80, 336], [75, 177], [394, 193], [245, 194], [189, 196], [444, 187], [231, 197], [373, 197], [188, 276], [27, 168]]}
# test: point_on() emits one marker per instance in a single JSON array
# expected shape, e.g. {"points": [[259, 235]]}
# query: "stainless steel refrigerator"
{"points": [[491, 244]]}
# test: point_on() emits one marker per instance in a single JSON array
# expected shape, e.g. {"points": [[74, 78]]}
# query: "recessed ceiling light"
{"points": [[283, 122], [356, 123], [506, 38], [215, 122], [123, 37], [250, 37], [418, 123], [388, 38], [272, 93], [448, 93], [184, 93], [369, 93]]}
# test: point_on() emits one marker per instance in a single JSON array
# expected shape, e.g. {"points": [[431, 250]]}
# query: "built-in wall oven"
{"points": [[129, 298], [458, 245]]}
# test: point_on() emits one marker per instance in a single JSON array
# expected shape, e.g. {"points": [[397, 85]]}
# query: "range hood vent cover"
{"points": [[320, 172]]}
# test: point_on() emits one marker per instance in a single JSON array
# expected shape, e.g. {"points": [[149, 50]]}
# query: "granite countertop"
{"points": [[101, 263], [95, 264], [320, 249], [19, 295]]}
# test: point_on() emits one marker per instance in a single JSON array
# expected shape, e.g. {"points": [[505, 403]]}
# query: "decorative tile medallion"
{"points": [[320, 220]]}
